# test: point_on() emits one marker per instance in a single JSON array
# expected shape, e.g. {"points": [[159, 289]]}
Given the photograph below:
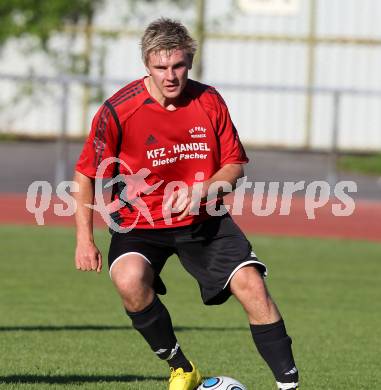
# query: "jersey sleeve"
{"points": [[231, 148], [101, 144]]}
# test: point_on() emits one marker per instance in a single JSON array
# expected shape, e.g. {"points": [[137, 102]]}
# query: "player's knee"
{"points": [[134, 292], [133, 284], [129, 284], [247, 281]]}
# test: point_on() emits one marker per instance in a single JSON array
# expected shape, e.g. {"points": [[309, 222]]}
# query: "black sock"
{"points": [[274, 345], [155, 325]]}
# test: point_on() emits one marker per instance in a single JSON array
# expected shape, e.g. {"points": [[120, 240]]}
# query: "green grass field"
{"points": [[63, 329], [366, 164]]}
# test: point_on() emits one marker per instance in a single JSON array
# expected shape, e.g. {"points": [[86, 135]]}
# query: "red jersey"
{"points": [[158, 147]]}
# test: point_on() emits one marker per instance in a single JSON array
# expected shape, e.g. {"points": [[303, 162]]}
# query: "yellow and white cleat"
{"points": [[181, 380]]}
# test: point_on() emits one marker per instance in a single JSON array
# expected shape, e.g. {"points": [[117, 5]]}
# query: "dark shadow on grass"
{"points": [[60, 328], [210, 328], [63, 328], [76, 379]]}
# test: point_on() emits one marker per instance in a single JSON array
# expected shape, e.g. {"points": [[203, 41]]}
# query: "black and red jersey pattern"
{"points": [[100, 135]]}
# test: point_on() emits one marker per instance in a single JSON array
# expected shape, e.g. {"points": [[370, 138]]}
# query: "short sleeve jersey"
{"points": [[160, 148]]}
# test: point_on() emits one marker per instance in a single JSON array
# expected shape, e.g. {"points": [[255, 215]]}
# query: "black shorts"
{"points": [[211, 251]]}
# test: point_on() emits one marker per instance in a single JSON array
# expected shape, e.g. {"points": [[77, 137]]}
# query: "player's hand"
{"points": [[178, 202], [184, 201], [88, 257]]}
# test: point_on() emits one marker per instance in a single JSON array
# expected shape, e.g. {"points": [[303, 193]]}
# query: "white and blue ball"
{"points": [[221, 383]]}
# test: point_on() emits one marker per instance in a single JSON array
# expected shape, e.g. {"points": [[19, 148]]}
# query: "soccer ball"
{"points": [[221, 383]]}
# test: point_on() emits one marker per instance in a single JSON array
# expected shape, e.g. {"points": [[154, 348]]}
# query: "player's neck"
{"points": [[168, 104]]}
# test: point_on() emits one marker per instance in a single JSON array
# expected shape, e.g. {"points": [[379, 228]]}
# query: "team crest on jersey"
{"points": [[198, 132]]}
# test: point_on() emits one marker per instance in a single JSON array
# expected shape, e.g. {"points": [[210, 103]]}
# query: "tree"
{"points": [[42, 18]]}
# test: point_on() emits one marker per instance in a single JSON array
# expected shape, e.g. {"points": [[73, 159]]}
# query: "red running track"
{"points": [[364, 223]]}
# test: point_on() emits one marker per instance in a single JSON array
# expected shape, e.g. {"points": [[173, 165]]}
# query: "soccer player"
{"points": [[176, 143]]}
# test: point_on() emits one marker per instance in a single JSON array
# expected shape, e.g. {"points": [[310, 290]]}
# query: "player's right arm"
{"points": [[100, 145], [87, 255]]}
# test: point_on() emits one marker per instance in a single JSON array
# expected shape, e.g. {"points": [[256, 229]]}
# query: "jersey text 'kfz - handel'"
{"points": [[180, 150]]}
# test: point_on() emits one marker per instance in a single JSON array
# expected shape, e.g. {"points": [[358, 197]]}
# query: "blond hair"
{"points": [[166, 34]]}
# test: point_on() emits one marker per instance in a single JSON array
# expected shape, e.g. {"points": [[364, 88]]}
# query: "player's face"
{"points": [[169, 73]]}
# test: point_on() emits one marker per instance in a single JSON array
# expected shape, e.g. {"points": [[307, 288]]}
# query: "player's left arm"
{"points": [[230, 174]]}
